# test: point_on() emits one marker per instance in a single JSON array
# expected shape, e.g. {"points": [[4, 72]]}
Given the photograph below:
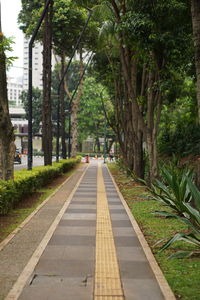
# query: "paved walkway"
{"points": [[91, 250]]}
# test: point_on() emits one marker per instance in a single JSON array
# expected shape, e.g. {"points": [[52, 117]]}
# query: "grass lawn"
{"points": [[183, 275], [16, 216]]}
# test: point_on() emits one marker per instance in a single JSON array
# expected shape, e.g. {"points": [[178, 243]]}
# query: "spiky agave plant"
{"points": [[173, 191], [191, 218]]}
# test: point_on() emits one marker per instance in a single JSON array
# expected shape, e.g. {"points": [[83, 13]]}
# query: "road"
{"points": [[37, 161]]}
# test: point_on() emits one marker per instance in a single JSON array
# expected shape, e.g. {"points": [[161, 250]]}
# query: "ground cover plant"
{"points": [[182, 274]]}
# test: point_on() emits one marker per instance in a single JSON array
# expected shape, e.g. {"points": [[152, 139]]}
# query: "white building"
{"points": [[15, 88], [37, 65]]}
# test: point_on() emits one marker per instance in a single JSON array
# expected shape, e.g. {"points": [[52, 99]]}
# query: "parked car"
{"points": [[18, 157]]}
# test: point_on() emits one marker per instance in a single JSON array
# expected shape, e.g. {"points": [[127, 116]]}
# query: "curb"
{"points": [[162, 282], [21, 226]]}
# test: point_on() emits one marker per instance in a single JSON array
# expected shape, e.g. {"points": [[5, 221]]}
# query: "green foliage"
{"points": [[68, 21], [173, 190], [5, 47], [26, 182], [179, 131], [178, 192], [91, 115], [37, 108]]}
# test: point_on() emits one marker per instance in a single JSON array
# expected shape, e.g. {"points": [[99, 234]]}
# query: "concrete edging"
{"points": [[27, 219], [163, 284]]}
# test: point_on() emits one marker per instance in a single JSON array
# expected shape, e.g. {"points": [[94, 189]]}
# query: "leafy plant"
{"points": [[26, 182], [173, 190], [192, 220], [180, 193]]}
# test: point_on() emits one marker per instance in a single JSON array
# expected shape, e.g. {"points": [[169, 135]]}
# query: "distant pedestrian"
{"points": [[87, 158]]}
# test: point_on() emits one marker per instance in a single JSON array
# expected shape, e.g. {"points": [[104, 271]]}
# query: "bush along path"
{"points": [[27, 182], [36, 186], [182, 274]]}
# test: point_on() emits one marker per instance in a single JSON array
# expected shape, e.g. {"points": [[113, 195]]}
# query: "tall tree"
{"points": [[149, 39], [46, 111], [195, 9], [7, 146], [67, 25], [75, 108]]}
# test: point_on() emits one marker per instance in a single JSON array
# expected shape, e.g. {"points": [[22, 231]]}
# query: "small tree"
{"points": [[7, 146]]}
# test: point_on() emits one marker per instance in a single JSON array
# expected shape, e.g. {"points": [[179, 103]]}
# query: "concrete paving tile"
{"points": [[122, 216], [121, 223], [86, 191], [64, 253], [66, 268], [89, 181], [135, 269], [123, 231], [131, 254], [79, 230], [78, 222], [81, 210], [72, 240], [74, 216], [112, 194], [141, 289], [110, 189], [89, 185], [58, 288], [84, 199], [85, 195], [115, 206], [81, 202], [83, 205], [118, 211], [126, 241], [115, 203]]}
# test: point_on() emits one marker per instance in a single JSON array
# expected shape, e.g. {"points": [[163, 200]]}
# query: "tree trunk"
{"points": [[62, 109], [46, 113], [138, 156], [7, 146], [97, 143], [74, 112], [195, 9], [153, 160]]}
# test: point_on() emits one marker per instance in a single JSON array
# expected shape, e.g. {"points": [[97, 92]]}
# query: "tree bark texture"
{"points": [[141, 105], [7, 138], [46, 113], [62, 109], [74, 111], [195, 9]]}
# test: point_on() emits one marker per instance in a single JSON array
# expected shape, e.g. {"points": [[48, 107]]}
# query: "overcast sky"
{"points": [[9, 14]]}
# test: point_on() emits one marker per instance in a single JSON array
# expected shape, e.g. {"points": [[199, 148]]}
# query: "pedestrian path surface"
{"points": [[93, 253]]}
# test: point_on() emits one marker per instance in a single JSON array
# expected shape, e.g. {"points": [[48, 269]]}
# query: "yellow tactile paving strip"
{"points": [[107, 284]]}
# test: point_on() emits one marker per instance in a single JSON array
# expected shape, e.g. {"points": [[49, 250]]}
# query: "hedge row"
{"points": [[26, 182]]}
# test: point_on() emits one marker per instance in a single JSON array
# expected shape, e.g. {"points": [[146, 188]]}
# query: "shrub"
{"points": [[26, 182], [177, 191]]}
